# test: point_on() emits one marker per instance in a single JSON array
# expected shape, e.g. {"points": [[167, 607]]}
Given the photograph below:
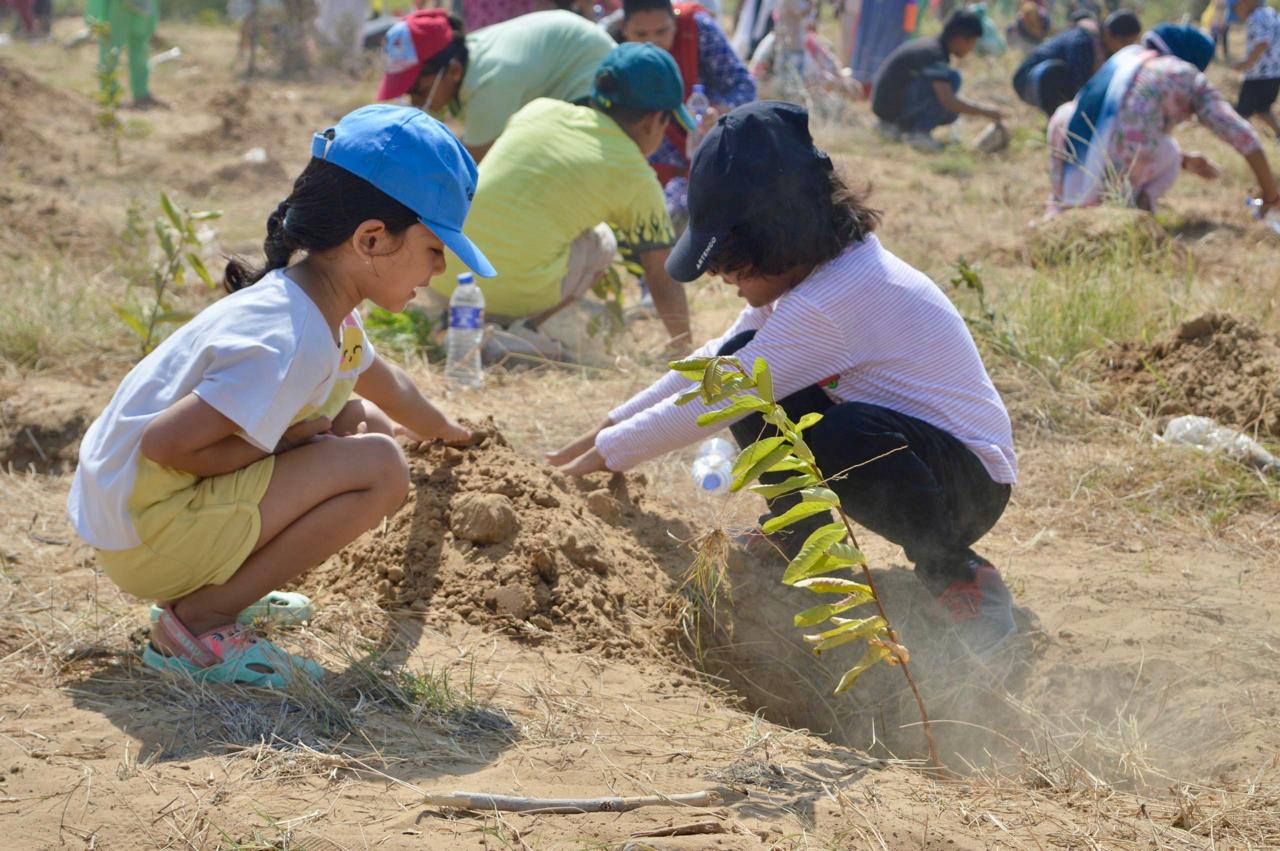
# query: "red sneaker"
{"points": [[981, 608]]}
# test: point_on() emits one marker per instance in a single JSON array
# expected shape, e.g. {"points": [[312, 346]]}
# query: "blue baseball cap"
{"points": [[641, 76], [416, 160]]}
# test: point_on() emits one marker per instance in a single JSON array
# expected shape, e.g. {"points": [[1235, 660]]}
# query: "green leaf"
{"points": [[818, 614], [823, 495], [757, 458], [166, 241], [198, 265], [789, 464], [205, 215], [848, 630], [808, 420], [794, 515], [691, 367], [833, 585], [131, 319], [686, 398], [170, 212], [812, 559], [802, 450], [847, 553], [874, 654], [739, 407], [763, 380], [175, 316], [794, 483]]}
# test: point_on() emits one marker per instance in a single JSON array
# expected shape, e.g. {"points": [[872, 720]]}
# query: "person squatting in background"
{"points": [[703, 55], [129, 27], [1261, 63], [482, 78], [233, 458], [916, 89], [1115, 136], [1054, 71], [562, 187], [913, 432]]}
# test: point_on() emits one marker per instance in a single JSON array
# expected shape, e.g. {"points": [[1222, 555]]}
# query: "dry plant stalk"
{"points": [[482, 802], [725, 379]]}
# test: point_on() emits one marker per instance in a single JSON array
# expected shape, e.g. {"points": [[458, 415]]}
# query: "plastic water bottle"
{"points": [[713, 468], [697, 106], [466, 331], [1208, 435], [1271, 219]]}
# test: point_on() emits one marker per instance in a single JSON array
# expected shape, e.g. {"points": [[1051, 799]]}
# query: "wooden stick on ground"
{"points": [[508, 803]]}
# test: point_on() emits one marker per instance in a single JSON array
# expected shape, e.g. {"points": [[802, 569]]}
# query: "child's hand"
{"points": [[577, 447], [1200, 165], [585, 464], [304, 432], [449, 432]]}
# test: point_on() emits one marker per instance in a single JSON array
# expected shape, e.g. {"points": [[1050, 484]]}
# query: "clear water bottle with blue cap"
{"points": [[698, 106], [713, 467], [466, 333]]}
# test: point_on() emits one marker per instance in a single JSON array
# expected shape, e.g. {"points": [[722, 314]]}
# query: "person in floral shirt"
{"points": [[1142, 160]]}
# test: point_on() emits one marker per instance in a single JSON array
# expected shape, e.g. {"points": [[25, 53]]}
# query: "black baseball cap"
{"points": [[751, 156]]}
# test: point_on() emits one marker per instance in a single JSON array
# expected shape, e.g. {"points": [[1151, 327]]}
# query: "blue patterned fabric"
{"points": [[724, 78]]}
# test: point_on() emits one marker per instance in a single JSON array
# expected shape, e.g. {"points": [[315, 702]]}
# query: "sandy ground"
{"points": [[1137, 710]]}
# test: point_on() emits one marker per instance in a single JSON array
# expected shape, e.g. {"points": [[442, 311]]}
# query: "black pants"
{"points": [[932, 496]]}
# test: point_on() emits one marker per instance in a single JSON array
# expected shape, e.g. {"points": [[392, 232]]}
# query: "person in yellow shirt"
{"points": [[565, 184]]}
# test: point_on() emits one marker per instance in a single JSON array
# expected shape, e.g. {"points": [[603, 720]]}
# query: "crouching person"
{"points": [[913, 431], [233, 458]]}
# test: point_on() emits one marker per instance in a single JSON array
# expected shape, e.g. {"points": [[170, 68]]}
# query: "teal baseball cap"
{"points": [[641, 76], [416, 160]]}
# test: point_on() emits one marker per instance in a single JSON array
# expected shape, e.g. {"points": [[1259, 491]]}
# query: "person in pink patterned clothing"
{"points": [[1125, 146]]}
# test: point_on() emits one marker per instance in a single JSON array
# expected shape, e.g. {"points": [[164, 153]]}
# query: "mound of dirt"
{"points": [[42, 421], [1214, 365], [242, 119], [41, 137], [491, 536]]}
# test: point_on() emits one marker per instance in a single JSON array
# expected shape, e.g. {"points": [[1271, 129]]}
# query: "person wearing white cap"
{"points": [[233, 457]]}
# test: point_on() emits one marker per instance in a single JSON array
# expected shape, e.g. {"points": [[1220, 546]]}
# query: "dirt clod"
{"points": [[483, 518], [1214, 365]]}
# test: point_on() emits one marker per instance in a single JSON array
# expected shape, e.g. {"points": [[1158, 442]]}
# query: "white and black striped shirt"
{"points": [[866, 326]]}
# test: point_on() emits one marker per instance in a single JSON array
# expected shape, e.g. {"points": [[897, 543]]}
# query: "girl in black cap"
{"points": [[849, 330]]}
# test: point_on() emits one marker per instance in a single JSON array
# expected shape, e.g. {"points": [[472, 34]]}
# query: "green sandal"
{"points": [[279, 608], [230, 654]]}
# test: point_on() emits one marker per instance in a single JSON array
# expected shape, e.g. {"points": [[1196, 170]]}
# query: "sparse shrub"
{"points": [[178, 242]]}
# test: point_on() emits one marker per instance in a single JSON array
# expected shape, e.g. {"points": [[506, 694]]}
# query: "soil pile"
{"points": [[1214, 365], [490, 536], [41, 137], [43, 420]]}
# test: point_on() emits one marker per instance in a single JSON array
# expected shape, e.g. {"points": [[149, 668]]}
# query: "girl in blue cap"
{"points": [[1116, 133], [233, 457]]}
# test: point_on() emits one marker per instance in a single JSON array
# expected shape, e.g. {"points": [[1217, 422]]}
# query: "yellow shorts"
{"points": [[195, 532]]}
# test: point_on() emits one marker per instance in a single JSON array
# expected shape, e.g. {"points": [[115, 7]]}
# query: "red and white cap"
{"points": [[408, 46]]}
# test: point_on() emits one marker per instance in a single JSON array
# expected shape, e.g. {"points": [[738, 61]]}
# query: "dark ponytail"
{"points": [[326, 206]]}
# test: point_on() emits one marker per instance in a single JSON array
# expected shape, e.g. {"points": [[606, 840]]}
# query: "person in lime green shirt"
{"points": [[130, 25], [565, 183], [483, 78]]}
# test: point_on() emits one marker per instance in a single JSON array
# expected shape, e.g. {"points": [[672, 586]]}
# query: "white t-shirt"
{"points": [[865, 326], [1264, 25], [259, 356]]}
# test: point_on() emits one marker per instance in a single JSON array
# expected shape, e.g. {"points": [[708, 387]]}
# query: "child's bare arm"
{"points": [[192, 436], [387, 386], [1254, 55]]}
